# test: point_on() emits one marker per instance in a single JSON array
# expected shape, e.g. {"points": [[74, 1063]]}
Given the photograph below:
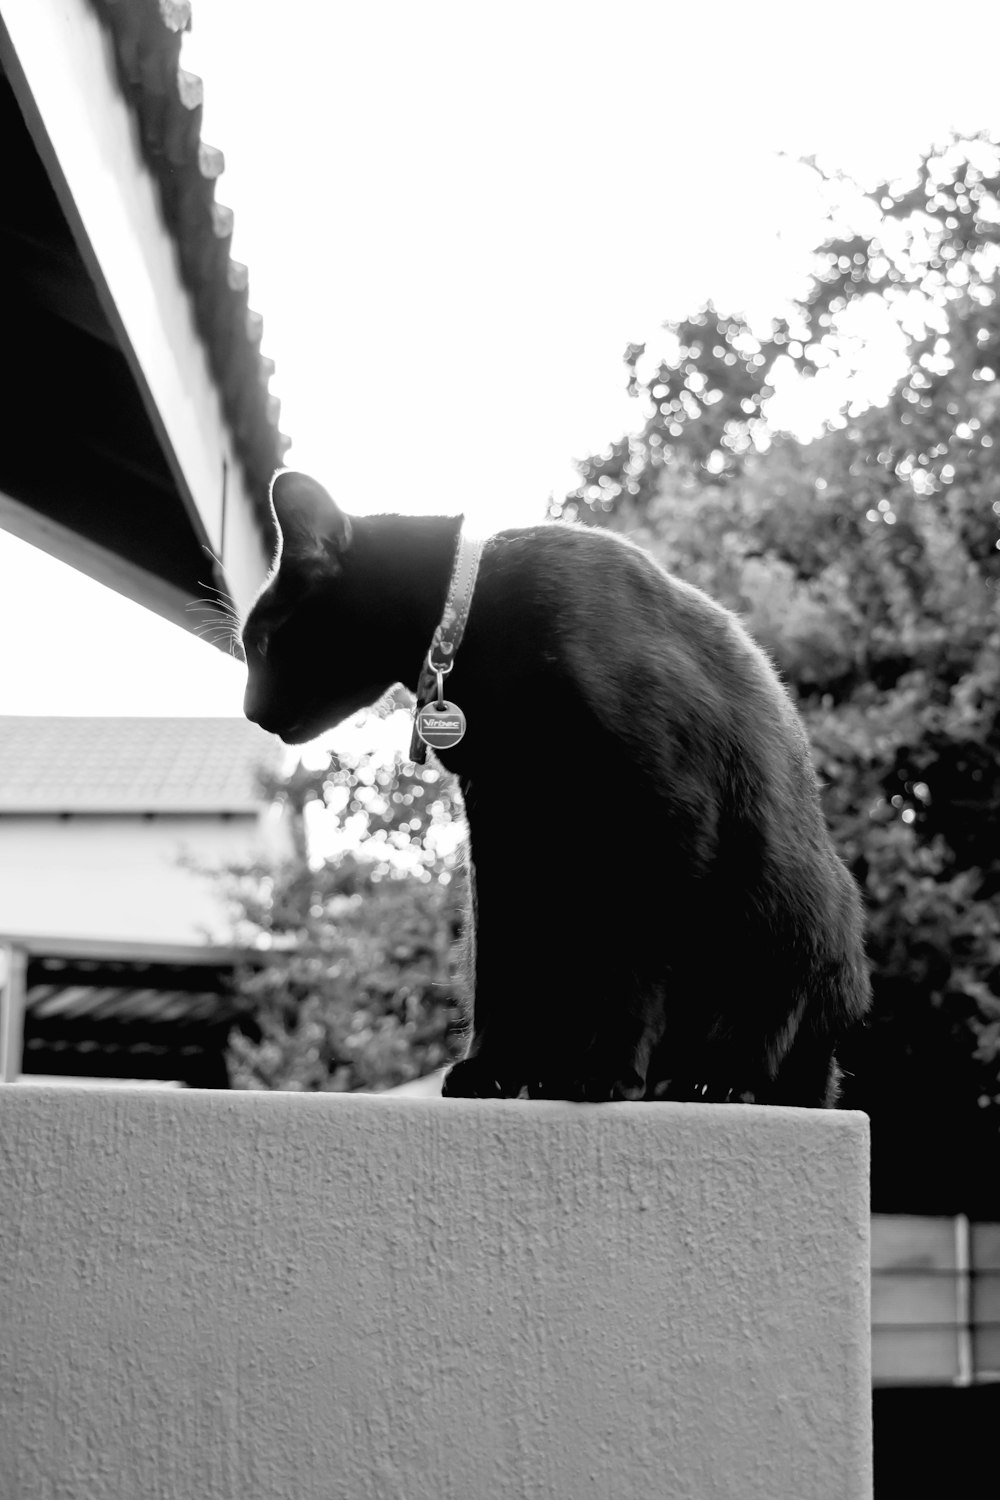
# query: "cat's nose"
{"points": [[270, 725], [257, 712]]}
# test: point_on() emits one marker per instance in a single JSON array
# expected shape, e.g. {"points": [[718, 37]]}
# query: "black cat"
{"points": [[657, 910]]}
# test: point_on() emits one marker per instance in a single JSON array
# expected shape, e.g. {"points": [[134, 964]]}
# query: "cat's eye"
{"points": [[257, 637]]}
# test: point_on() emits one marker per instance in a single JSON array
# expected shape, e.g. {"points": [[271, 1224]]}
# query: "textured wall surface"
{"points": [[285, 1297]]}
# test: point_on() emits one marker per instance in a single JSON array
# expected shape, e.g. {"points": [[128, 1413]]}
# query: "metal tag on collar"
{"points": [[440, 723]]}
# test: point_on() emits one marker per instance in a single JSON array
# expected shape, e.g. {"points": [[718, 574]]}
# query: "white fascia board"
{"points": [[60, 62], [98, 562]]}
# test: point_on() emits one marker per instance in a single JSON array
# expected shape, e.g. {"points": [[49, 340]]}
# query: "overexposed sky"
{"points": [[455, 217]]}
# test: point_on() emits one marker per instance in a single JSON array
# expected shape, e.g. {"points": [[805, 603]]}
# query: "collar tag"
{"points": [[436, 721], [440, 725]]}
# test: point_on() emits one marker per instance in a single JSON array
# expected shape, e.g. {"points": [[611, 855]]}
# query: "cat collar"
{"points": [[436, 722]]}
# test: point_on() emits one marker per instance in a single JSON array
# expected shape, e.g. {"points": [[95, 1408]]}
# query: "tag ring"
{"points": [[440, 670]]}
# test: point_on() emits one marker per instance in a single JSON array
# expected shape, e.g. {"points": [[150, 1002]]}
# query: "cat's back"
{"points": [[595, 572], [667, 681], [610, 602]]}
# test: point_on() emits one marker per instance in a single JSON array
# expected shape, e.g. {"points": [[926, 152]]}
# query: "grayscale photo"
{"points": [[499, 750]]}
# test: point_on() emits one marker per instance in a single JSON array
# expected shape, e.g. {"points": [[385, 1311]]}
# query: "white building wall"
{"points": [[122, 878]]}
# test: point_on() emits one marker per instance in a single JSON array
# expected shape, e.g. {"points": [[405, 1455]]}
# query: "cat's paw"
{"points": [[475, 1079], [684, 1091], [594, 1087]]}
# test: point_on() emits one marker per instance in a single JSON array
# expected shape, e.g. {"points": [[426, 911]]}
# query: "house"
{"points": [[141, 434], [141, 439], [116, 936]]}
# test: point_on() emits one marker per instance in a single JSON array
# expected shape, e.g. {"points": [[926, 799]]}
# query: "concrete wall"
{"points": [[122, 878], [287, 1297]]}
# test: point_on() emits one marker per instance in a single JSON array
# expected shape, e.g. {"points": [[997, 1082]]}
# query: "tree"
{"points": [[357, 981], [867, 562], [703, 406]]}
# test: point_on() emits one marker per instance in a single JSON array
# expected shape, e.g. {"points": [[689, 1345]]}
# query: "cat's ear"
{"points": [[313, 528]]}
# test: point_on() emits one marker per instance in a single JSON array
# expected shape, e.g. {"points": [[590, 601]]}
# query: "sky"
{"points": [[455, 217]]}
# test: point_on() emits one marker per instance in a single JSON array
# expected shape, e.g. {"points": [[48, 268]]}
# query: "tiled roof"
{"points": [[53, 765], [167, 102]]}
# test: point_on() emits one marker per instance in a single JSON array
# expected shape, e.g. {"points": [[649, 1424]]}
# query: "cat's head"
{"points": [[310, 660]]}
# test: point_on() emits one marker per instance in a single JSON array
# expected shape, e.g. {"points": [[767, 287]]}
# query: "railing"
{"points": [[935, 1300]]}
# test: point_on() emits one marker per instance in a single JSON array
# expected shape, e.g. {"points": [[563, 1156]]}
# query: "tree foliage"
{"points": [[356, 985], [866, 561]]}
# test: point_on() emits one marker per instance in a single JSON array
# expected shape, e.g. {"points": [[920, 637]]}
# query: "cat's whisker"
{"points": [[212, 617], [221, 615], [226, 599], [219, 605], [223, 601], [220, 627]]}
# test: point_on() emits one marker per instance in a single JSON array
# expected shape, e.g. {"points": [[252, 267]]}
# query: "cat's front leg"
{"points": [[495, 1065], [613, 1063]]}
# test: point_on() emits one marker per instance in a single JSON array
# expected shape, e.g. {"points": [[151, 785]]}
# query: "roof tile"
{"points": [[132, 765], [167, 101]]}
